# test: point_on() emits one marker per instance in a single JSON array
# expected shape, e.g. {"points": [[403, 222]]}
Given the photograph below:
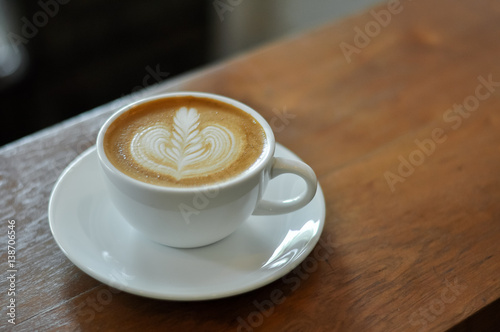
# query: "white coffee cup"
{"points": [[188, 217]]}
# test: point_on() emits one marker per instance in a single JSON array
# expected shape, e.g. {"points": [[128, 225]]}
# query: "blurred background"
{"points": [[59, 58]]}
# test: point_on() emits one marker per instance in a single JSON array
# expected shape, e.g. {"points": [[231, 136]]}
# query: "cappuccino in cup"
{"points": [[184, 141], [187, 168]]}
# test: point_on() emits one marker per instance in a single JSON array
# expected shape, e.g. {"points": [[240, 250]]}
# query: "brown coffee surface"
{"points": [[184, 141]]}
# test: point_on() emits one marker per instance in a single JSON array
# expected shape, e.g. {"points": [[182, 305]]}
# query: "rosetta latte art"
{"points": [[185, 150]]}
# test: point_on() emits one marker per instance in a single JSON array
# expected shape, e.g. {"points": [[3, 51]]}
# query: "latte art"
{"points": [[184, 141], [184, 151]]}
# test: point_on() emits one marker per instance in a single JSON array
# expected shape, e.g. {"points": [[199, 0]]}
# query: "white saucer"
{"points": [[94, 237]]}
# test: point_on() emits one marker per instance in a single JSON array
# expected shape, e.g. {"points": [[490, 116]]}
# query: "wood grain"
{"points": [[420, 254]]}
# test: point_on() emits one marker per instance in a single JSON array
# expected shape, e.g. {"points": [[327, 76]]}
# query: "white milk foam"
{"points": [[184, 150]]}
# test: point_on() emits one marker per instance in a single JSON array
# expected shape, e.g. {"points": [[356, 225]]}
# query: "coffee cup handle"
{"points": [[283, 166]]}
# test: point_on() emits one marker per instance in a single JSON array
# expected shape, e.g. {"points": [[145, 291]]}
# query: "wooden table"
{"points": [[397, 110]]}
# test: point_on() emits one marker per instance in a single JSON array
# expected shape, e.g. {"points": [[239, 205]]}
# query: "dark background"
{"points": [[93, 51]]}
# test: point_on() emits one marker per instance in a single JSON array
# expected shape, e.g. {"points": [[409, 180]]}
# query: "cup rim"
{"points": [[260, 164]]}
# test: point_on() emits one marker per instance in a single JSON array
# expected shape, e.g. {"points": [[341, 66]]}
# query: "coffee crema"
{"points": [[184, 141]]}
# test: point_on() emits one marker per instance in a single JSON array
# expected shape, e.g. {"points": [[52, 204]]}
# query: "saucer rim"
{"points": [[306, 249]]}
